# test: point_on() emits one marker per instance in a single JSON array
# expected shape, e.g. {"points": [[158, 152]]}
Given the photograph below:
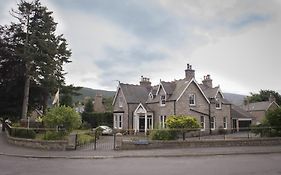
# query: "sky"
{"points": [[237, 42]]}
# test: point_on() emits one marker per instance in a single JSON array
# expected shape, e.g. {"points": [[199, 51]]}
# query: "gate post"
{"points": [[95, 140]]}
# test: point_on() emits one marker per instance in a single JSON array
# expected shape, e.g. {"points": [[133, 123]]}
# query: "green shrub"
{"points": [[163, 134], [54, 135], [85, 138], [63, 116], [182, 122], [96, 119], [23, 133]]}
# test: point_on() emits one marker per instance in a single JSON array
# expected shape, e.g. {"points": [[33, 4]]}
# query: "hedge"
{"points": [[97, 119], [23, 133]]}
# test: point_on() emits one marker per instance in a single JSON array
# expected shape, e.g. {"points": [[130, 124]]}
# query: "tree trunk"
{"points": [[25, 97]]}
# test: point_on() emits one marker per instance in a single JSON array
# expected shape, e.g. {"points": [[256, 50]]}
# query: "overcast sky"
{"points": [[237, 42]]}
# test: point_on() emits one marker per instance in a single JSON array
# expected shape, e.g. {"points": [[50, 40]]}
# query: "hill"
{"points": [[236, 99], [88, 92]]}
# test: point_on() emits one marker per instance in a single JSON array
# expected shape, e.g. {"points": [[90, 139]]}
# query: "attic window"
{"points": [[162, 100], [192, 99], [218, 104]]}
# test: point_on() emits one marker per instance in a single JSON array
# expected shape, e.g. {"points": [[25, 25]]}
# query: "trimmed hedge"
{"points": [[54, 135], [23, 133], [163, 134], [97, 119]]}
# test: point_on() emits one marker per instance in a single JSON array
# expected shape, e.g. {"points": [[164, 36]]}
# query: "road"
{"points": [[211, 165]]}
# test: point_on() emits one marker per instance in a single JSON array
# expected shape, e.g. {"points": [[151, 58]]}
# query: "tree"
{"points": [[67, 95], [271, 125], [264, 95], [89, 107], [182, 124], [62, 116], [38, 51]]}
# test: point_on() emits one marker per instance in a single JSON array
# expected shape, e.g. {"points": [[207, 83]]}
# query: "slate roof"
{"points": [[169, 87], [257, 106], [238, 112], [134, 93], [209, 92]]}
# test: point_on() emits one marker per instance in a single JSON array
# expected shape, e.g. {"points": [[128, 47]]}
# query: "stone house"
{"points": [[259, 109], [143, 107]]}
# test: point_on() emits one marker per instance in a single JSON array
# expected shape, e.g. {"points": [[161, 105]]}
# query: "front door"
{"points": [[142, 124]]}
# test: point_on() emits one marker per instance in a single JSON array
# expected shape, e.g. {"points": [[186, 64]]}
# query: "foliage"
{"points": [[264, 95], [182, 122], [85, 138], [30, 48], [97, 119], [89, 107], [62, 116], [164, 134], [68, 92], [271, 125], [54, 135], [108, 103], [23, 133]]}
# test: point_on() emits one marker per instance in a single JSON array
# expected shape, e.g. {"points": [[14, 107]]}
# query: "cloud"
{"points": [[234, 40]]}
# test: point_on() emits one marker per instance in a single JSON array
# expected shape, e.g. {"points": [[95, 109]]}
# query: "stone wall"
{"points": [[41, 144], [134, 145]]}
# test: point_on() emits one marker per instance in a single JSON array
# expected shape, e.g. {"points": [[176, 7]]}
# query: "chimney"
{"points": [[208, 82], [189, 72], [145, 82], [271, 98]]}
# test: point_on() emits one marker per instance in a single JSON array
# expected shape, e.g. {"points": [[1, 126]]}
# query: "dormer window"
{"points": [[192, 100], [162, 100], [218, 104]]}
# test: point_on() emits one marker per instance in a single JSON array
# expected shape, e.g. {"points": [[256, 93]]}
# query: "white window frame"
{"points": [[162, 101], [162, 121], [213, 123], [194, 100], [118, 121], [218, 102], [224, 122], [202, 123]]}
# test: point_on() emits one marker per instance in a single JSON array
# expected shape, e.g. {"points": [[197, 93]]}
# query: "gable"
{"points": [[160, 89], [273, 106], [219, 94], [193, 82], [140, 109]]}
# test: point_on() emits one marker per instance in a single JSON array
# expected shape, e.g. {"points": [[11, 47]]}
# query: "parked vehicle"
{"points": [[106, 130]]}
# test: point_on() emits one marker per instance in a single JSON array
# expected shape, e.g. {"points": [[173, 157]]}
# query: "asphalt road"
{"points": [[212, 165]]}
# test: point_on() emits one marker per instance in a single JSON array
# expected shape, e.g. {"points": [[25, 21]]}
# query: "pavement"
{"points": [[7, 149]]}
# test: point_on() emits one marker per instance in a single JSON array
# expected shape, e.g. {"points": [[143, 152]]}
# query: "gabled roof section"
{"points": [[259, 106], [169, 87], [239, 113], [188, 84], [134, 93], [211, 92]]}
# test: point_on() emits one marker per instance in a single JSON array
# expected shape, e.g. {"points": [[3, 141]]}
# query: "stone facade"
{"points": [[179, 97]]}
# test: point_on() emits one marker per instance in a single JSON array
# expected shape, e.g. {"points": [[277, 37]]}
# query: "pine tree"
{"points": [[39, 51]]}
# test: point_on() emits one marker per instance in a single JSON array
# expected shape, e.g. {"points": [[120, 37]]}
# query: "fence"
{"points": [[197, 134]]}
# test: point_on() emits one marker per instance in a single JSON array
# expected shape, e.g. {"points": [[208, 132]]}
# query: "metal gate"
{"points": [[100, 142]]}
